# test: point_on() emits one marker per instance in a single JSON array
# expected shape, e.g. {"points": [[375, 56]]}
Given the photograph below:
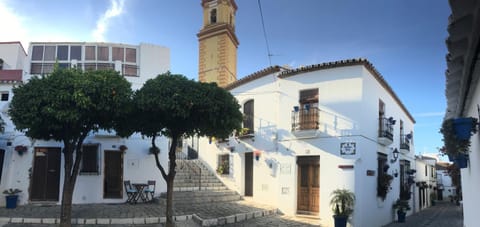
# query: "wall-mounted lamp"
{"points": [[395, 155]]}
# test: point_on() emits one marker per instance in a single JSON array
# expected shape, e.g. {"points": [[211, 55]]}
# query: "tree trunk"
{"points": [[67, 192], [170, 179], [66, 211]]}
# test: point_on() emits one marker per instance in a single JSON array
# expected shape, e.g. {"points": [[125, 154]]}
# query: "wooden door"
{"points": [[2, 156], [112, 182], [45, 183], [308, 185], [249, 174]]}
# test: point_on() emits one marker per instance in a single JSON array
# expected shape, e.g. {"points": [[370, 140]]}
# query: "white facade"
{"points": [[347, 96], [135, 164], [425, 182], [446, 189], [463, 92]]}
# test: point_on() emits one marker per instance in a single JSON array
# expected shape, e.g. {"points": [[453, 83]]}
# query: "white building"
{"points": [[425, 181], [445, 188], [463, 92], [39, 171], [316, 129]]}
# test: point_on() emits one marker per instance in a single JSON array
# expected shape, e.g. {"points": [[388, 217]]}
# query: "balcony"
{"points": [[385, 131], [305, 121], [405, 143]]}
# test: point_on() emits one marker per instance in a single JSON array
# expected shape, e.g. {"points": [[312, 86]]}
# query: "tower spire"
{"points": [[218, 43]]}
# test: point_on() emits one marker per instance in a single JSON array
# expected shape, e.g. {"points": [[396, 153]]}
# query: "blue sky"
{"points": [[404, 39]]}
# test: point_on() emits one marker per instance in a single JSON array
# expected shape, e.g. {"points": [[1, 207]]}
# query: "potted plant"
{"points": [[20, 149], [342, 203], [123, 148], [257, 154], [456, 139], [383, 185], [11, 197], [401, 206], [465, 127]]}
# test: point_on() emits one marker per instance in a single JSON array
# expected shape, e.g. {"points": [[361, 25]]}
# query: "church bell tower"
{"points": [[218, 43]]}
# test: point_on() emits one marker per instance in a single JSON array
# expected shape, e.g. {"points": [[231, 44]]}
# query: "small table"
{"points": [[140, 192]]}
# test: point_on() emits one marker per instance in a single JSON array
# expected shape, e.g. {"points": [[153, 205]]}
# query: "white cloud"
{"points": [[13, 28], [116, 8], [430, 114]]}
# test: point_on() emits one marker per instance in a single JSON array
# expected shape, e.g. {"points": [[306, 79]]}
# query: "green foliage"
{"points": [[453, 145], [383, 185], [68, 103], [401, 205], [12, 191], [342, 202], [171, 104]]}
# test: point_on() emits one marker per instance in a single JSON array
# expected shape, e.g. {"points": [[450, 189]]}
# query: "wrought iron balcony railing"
{"points": [[404, 142], [305, 119], [386, 128]]}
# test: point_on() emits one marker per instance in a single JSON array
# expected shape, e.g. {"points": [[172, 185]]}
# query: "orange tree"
{"points": [[173, 106], [65, 106]]}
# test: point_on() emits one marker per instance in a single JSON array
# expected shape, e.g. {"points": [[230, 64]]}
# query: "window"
{"points": [[49, 53], [1, 64], [62, 53], [117, 53], [213, 16], [90, 53], [308, 113], [89, 159], [4, 96], [36, 68], [76, 53], [37, 53], [426, 170], [131, 55], [223, 164], [102, 53], [248, 113], [130, 70]]}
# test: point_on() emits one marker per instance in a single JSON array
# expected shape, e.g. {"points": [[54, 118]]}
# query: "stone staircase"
{"points": [[195, 184]]}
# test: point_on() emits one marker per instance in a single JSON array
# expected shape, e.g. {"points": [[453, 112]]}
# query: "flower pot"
{"points": [[463, 128], [461, 161], [11, 201], [340, 220], [307, 107], [295, 108], [257, 157], [401, 216]]}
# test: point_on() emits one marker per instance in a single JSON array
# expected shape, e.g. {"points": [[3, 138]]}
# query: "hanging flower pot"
{"points": [[461, 161], [21, 149], [123, 148], [295, 108], [465, 127], [257, 154]]}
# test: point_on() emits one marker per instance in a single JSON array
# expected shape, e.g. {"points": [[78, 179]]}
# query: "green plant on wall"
{"points": [[383, 186], [452, 145]]}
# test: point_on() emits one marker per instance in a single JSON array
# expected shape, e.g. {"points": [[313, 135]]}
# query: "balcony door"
{"points": [[308, 109]]}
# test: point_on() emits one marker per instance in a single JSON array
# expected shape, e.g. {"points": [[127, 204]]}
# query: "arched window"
{"points": [[213, 16], [248, 116]]}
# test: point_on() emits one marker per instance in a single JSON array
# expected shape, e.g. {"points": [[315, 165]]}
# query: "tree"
{"points": [[174, 106], [65, 106]]}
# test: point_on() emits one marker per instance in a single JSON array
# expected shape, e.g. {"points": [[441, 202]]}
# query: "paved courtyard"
{"points": [[445, 214]]}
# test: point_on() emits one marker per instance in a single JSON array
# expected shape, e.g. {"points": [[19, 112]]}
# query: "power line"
{"points": [[265, 34]]}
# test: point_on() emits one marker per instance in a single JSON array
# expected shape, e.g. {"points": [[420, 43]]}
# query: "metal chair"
{"points": [[150, 189], [131, 192]]}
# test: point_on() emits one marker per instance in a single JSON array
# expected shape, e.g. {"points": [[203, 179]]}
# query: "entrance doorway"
{"points": [[249, 174], [308, 185], [112, 182], [45, 183]]}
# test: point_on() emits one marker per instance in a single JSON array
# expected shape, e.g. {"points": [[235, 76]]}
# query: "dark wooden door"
{"points": [[46, 175], [249, 174], [2, 156], [112, 183], [308, 185]]}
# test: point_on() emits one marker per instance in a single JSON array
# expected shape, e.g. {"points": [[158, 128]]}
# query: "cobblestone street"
{"points": [[444, 214]]}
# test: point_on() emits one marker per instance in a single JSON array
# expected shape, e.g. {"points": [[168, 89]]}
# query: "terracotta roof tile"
{"points": [[254, 76]]}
